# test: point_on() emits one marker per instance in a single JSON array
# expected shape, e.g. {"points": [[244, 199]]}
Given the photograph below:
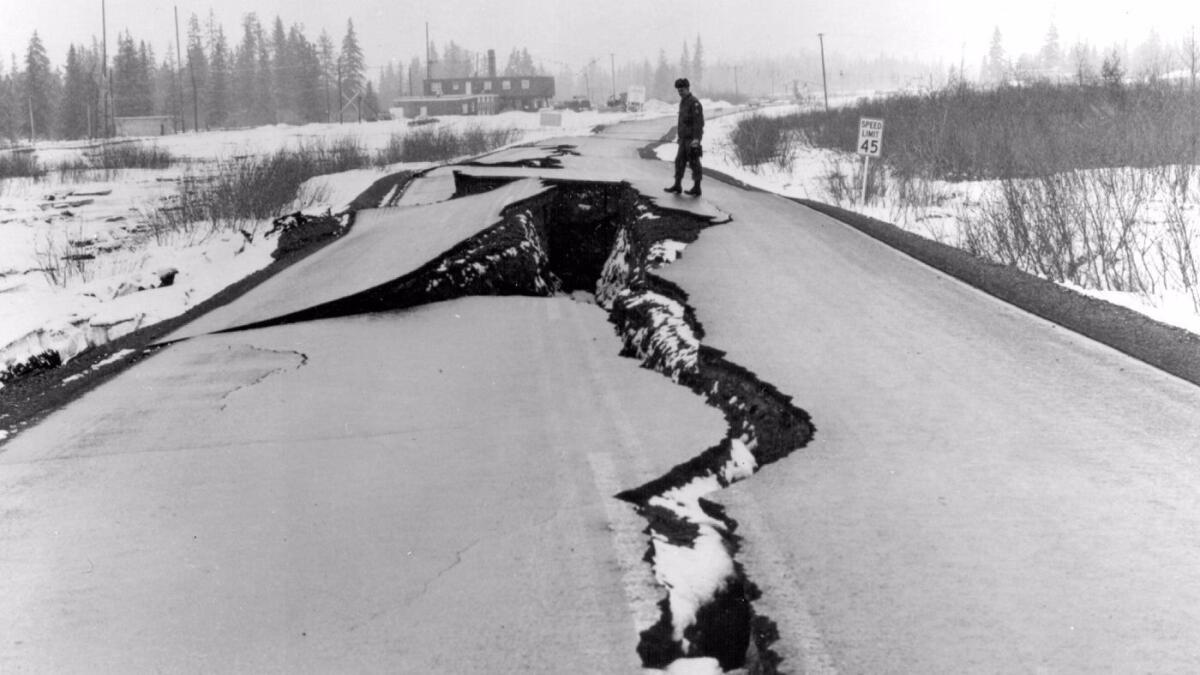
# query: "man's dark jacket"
{"points": [[691, 118]]}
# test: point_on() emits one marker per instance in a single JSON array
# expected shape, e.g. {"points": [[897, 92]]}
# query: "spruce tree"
{"points": [[370, 105], [245, 67], [37, 91], [218, 81], [8, 96], [353, 66], [73, 122], [196, 85], [663, 78], [416, 77], [997, 64], [144, 79], [328, 59], [167, 94], [308, 95], [123, 75], [282, 73], [264, 110], [698, 62]]}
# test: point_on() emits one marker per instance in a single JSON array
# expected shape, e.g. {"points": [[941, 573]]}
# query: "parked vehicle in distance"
{"points": [[577, 104]]}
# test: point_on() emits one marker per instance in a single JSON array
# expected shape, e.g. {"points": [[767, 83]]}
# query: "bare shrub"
{"points": [[960, 133], [478, 140], [442, 143], [1081, 227], [391, 153], [117, 156], [60, 263], [838, 182], [248, 190], [15, 164], [758, 140]]}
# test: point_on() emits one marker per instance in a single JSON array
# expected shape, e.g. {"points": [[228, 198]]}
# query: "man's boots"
{"points": [[695, 191], [676, 188]]}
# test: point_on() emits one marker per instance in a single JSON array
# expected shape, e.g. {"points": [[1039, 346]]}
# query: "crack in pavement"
{"points": [[263, 377], [708, 611]]}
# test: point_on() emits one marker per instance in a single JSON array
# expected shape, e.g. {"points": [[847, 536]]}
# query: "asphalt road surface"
{"points": [[430, 490]]}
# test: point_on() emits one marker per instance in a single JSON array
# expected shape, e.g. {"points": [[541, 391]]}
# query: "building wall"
{"points": [[525, 93], [448, 105], [153, 125]]}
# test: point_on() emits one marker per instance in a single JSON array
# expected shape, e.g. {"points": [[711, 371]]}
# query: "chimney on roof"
{"points": [[491, 63]]}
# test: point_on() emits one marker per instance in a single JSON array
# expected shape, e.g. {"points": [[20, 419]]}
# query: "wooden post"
{"points": [[824, 83], [866, 176]]}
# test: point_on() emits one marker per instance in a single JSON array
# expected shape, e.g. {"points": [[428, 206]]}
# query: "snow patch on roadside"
{"points": [[72, 320]]}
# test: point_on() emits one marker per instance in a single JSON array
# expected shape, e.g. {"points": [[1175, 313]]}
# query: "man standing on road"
{"points": [[690, 131]]}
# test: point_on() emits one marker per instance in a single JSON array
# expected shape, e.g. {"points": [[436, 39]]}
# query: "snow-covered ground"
{"points": [[80, 264], [806, 176]]}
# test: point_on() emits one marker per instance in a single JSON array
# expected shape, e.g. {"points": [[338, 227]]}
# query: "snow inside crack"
{"points": [[707, 623]]}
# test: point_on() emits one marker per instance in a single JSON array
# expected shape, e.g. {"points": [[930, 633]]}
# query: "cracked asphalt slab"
{"points": [[263, 501]]}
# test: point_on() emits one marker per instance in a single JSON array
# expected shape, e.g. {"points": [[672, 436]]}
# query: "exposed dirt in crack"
{"points": [[708, 611]]}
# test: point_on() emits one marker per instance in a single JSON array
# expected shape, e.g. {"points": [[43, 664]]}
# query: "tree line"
{"points": [[1084, 64], [267, 77]]}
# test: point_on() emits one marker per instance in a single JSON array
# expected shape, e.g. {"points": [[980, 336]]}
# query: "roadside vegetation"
{"points": [[242, 193], [1094, 185], [101, 157], [441, 143]]}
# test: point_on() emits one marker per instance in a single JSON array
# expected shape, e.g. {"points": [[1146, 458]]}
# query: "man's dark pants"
{"points": [[686, 156]]}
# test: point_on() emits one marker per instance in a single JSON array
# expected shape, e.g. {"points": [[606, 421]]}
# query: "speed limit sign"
{"points": [[870, 142], [870, 136]]}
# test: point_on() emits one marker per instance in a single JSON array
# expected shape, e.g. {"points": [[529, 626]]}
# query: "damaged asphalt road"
{"points": [[427, 448]]}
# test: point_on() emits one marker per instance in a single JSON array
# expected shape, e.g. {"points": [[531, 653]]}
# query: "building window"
{"points": [[436, 88], [524, 84], [466, 108], [506, 85], [487, 85]]}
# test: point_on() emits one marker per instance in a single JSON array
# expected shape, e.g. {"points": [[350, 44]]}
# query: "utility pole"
{"points": [[428, 62], [613, 61], [105, 88], [824, 83], [178, 79], [341, 101], [195, 97]]}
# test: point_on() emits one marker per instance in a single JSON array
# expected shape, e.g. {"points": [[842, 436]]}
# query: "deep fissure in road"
{"points": [[605, 240], [660, 328]]}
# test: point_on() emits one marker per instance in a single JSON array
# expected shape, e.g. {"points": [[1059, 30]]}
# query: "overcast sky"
{"points": [[575, 31]]}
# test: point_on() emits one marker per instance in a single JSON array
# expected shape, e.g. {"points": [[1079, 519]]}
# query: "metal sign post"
{"points": [[870, 143]]}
